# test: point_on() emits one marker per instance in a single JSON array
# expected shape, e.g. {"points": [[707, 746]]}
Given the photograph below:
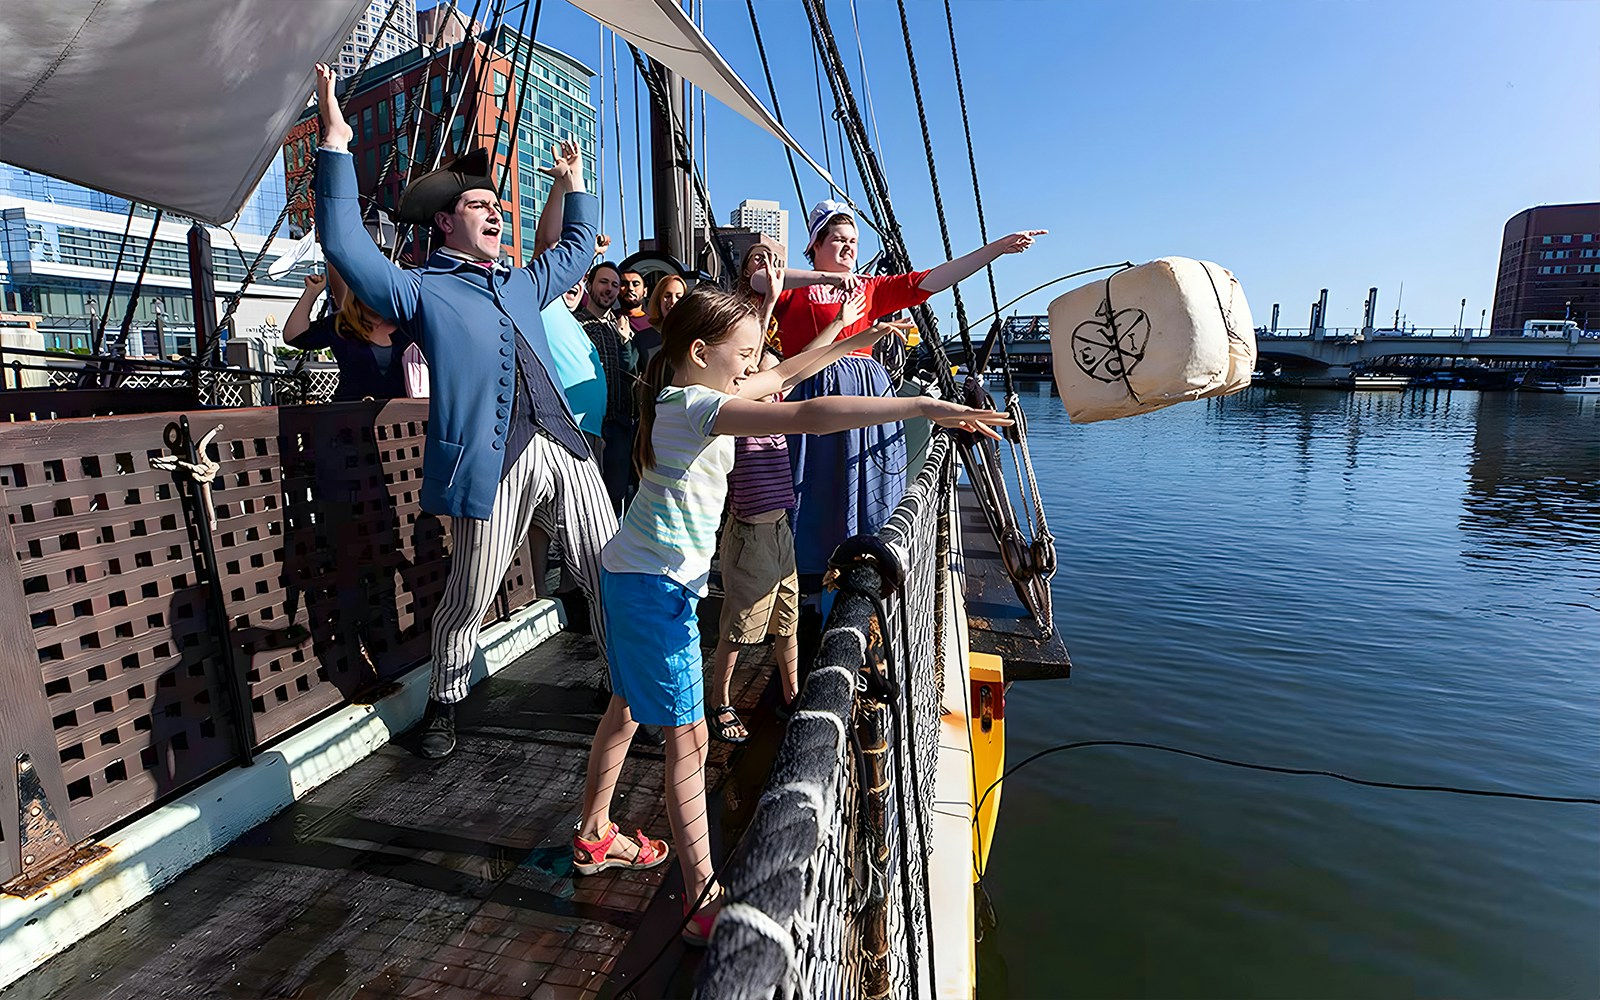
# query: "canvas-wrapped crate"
{"points": [[1150, 336]]}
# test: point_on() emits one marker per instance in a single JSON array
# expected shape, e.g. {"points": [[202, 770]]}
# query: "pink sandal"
{"points": [[651, 853], [697, 931]]}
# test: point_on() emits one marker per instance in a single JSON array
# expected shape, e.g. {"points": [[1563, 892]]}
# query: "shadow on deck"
{"points": [[408, 878]]}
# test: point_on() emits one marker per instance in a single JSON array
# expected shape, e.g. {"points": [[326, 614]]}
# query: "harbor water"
{"points": [[1397, 586]]}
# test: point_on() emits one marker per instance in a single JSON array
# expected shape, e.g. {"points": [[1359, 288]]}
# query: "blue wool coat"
{"points": [[465, 329]]}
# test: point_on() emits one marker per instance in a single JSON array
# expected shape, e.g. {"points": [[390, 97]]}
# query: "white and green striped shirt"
{"points": [[671, 527]]}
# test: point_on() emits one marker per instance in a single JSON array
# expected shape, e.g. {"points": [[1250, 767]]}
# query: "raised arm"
{"points": [[829, 414], [391, 292], [952, 271], [773, 278], [850, 312], [558, 268], [548, 233], [299, 319], [792, 371]]}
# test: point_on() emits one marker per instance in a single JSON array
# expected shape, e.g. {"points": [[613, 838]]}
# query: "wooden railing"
{"points": [[114, 678]]}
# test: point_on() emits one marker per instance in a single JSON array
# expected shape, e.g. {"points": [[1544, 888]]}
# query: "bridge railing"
{"points": [[1338, 333]]}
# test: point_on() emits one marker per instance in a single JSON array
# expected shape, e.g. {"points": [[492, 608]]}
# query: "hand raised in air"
{"points": [[336, 132]]}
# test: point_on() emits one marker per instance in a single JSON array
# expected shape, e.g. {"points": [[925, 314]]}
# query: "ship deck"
{"points": [[406, 878]]}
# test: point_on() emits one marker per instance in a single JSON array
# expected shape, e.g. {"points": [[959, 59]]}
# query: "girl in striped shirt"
{"points": [[704, 388]]}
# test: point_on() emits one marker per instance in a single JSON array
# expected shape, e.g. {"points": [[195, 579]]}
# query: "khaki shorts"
{"points": [[761, 594]]}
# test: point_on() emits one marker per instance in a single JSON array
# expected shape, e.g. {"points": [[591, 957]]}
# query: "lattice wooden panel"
{"points": [[126, 656], [330, 573]]}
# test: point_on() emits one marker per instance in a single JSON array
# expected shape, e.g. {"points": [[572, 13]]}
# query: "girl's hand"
{"points": [[852, 309], [1018, 242], [602, 243], [336, 132], [896, 327], [965, 418], [315, 283], [774, 272], [849, 282]]}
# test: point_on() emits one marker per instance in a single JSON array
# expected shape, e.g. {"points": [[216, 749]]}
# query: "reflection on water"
{"points": [[1394, 585]]}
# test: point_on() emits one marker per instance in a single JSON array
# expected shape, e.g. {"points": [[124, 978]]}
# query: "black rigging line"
{"points": [[514, 141], [876, 186], [822, 118], [111, 289], [938, 198], [977, 193], [1493, 793], [772, 91], [638, 155], [471, 77], [138, 286]]}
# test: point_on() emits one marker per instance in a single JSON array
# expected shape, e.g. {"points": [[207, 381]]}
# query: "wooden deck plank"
{"points": [[403, 877]]}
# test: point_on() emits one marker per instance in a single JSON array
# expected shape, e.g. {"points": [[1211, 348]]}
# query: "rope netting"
{"points": [[828, 893]]}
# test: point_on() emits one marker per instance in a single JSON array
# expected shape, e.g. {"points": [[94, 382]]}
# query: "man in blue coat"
{"points": [[503, 450]]}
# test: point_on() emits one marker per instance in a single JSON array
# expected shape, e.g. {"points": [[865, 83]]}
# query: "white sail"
{"points": [[180, 104], [661, 29]]}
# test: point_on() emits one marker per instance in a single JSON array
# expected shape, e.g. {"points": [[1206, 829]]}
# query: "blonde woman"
{"points": [[367, 347]]}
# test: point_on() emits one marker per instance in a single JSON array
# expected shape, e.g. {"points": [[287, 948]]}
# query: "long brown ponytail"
{"points": [[704, 314]]}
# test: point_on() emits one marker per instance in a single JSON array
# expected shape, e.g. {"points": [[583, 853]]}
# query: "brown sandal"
{"points": [[651, 853]]}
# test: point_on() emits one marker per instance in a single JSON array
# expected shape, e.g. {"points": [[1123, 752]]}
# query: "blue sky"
{"points": [[1339, 144]]}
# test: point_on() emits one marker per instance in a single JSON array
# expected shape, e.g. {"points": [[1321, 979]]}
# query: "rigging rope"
{"points": [[1492, 793], [458, 88], [938, 198], [515, 143], [875, 185], [977, 192], [866, 84], [638, 153], [111, 289], [772, 92], [616, 121], [822, 119]]}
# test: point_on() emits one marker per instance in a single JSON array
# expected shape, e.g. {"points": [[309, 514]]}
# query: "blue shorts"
{"points": [[653, 642]]}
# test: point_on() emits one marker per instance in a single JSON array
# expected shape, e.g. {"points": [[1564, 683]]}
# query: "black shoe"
{"points": [[438, 730], [651, 736]]}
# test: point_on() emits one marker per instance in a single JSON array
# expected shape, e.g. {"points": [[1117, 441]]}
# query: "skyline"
{"points": [[1381, 152]]}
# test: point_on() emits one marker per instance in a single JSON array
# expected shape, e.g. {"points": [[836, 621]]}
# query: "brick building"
{"points": [[1549, 267], [555, 105]]}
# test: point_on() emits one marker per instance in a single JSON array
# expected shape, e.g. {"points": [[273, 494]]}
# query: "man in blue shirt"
{"points": [[503, 450]]}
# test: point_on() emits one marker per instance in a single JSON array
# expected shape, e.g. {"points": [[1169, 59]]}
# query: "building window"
{"points": [[1546, 239], [436, 102], [1566, 239], [499, 83], [366, 125], [383, 117]]}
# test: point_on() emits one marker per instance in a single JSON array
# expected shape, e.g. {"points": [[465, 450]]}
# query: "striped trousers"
{"points": [[549, 487]]}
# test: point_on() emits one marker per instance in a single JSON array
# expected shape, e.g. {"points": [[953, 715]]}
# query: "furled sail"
{"points": [[180, 104], [661, 29]]}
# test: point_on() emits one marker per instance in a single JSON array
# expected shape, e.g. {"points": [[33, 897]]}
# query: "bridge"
{"points": [[1028, 342]]}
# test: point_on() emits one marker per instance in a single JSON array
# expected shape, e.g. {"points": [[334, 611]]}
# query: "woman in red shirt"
{"points": [[848, 483]]}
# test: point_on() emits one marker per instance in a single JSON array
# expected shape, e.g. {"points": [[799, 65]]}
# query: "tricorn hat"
{"points": [[437, 190]]}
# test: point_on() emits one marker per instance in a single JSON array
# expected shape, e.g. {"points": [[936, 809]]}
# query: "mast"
{"points": [[670, 166]]}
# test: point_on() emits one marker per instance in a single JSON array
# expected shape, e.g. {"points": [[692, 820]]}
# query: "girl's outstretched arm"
{"points": [[797, 369], [952, 271], [829, 414], [849, 281]]}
